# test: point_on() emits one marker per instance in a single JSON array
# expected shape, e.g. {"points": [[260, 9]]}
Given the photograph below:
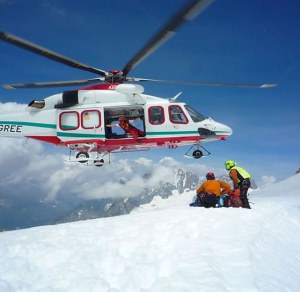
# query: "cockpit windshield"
{"points": [[196, 117]]}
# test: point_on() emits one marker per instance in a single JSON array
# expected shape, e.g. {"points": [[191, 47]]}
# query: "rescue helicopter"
{"points": [[86, 120]]}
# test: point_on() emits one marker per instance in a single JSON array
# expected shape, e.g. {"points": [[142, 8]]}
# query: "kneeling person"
{"points": [[209, 193]]}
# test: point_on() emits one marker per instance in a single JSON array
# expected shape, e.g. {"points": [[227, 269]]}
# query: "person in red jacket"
{"points": [[126, 125], [209, 192]]}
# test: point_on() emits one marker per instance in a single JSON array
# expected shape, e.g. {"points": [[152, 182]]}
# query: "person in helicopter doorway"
{"points": [[127, 126], [211, 193], [241, 180]]}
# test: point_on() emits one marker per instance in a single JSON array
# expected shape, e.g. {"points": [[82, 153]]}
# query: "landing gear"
{"points": [[99, 162], [81, 157], [197, 153], [88, 158]]}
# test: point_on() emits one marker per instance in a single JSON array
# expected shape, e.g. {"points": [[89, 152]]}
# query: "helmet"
{"points": [[229, 164], [210, 176]]}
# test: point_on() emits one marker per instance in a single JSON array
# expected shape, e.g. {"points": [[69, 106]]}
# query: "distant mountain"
{"points": [[18, 212], [186, 181], [91, 209], [23, 212]]}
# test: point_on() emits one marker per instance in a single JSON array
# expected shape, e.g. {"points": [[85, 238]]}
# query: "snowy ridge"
{"points": [[16, 209], [164, 246]]}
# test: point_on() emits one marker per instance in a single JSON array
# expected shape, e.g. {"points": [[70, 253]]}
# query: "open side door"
{"points": [[135, 114]]}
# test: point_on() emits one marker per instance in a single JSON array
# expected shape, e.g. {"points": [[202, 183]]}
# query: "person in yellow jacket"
{"points": [[209, 192], [241, 180]]}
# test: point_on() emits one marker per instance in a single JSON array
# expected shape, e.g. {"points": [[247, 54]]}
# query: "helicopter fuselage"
{"points": [[81, 120]]}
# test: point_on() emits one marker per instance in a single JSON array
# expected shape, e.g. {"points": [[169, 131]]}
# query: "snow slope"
{"points": [[164, 246]]}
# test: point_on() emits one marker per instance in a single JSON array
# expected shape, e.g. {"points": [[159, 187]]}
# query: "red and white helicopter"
{"points": [[84, 120]]}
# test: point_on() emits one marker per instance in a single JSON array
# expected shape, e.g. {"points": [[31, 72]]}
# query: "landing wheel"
{"points": [[98, 162], [82, 155], [197, 154]]}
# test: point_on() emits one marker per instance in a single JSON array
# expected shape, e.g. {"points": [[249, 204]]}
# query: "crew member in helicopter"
{"points": [[241, 180], [127, 126]]}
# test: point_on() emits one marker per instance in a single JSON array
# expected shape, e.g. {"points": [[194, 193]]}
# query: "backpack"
{"points": [[235, 200], [224, 201]]}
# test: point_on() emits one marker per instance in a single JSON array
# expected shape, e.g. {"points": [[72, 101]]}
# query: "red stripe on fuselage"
{"points": [[47, 139], [112, 144]]}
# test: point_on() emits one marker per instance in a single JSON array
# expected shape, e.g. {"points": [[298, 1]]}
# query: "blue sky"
{"points": [[249, 41]]}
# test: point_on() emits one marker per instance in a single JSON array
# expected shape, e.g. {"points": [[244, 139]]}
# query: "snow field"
{"points": [[164, 246]]}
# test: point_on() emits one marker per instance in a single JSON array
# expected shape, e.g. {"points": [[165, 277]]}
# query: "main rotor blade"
{"points": [[19, 42], [53, 84], [253, 85], [186, 13]]}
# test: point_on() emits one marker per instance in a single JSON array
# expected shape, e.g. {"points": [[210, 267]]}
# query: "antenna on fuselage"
{"points": [[173, 99]]}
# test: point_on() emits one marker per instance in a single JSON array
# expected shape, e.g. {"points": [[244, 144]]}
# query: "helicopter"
{"points": [[88, 120]]}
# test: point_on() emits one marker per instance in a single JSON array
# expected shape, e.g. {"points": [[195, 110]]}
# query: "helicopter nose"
{"points": [[223, 131], [214, 129], [226, 130]]}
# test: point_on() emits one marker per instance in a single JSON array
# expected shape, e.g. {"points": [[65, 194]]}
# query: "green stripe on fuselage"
{"points": [[80, 135], [172, 133], [29, 124]]}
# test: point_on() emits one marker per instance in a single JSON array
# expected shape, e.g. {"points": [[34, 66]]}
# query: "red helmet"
{"points": [[122, 119], [210, 176]]}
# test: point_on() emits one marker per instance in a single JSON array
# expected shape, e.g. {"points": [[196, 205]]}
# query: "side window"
{"points": [[156, 115], [177, 115], [69, 121], [90, 119]]}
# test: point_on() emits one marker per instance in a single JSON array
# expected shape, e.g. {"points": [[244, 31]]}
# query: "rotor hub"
{"points": [[115, 76]]}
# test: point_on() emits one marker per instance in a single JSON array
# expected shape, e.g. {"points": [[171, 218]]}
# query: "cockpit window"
{"points": [[196, 117]]}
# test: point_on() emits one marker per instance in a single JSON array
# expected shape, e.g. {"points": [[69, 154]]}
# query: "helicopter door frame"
{"points": [[131, 112], [90, 119], [83, 124]]}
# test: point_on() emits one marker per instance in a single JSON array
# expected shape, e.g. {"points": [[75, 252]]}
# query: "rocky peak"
{"points": [[185, 181]]}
